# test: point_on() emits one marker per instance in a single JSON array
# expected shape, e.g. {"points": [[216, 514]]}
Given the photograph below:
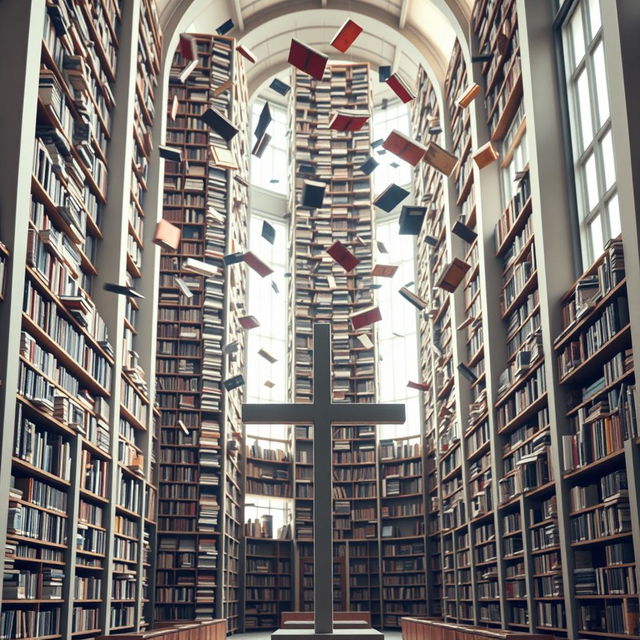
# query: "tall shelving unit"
{"points": [[200, 476]]}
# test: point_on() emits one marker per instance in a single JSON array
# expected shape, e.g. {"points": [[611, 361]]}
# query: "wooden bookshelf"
{"points": [[200, 430]]}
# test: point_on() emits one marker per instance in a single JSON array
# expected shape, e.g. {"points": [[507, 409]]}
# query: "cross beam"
{"points": [[322, 413]]}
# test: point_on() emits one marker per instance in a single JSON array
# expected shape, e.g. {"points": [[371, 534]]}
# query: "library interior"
{"points": [[316, 319]]}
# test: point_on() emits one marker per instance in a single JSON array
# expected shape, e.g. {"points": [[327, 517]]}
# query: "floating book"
{"points": [[170, 153], [175, 105], [245, 52], [467, 97], [384, 270], [274, 286], [201, 268], [260, 145], [218, 123], [225, 27], [464, 232], [467, 373], [264, 120], [421, 386], [368, 166], [188, 47], [313, 193], [331, 281], [411, 219], [267, 356], [365, 317], [365, 341], [343, 256], [346, 35], [391, 197], [440, 158], [279, 86], [167, 235], [431, 241], [232, 347], [183, 426], [384, 72], [257, 265], [485, 155], [233, 258], [222, 157], [399, 87], [221, 88], [381, 247], [248, 322], [404, 147], [122, 290], [269, 384], [307, 59], [233, 383], [268, 232], [186, 72], [351, 120], [414, 299], [184, 289], [452, 275], [377, 143]]}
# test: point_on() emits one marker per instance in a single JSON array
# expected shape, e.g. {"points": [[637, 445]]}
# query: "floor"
{"points": [[265, 635]]}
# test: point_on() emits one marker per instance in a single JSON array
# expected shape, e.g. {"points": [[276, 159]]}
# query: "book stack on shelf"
{"points": [[425, 123], [402, 521], [595, 365], [322, 289], [208, 203]]}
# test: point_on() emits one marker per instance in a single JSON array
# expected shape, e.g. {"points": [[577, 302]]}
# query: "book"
{"points": [[384, 270], [260, 145], [421, 386], [343, 256], [175, 105], [230, 348], [170, 153], [384, 71], [365, 317], [122, 290], [233, 258], [246, 53], [468, 95], [368, 166], [381, 247], [186, 72], [225, 27], [264, 120], [233, 383], [279, 86], [183, 426], [192, 265], [400, 88], [440, 158], [218, 123], [391, 197], [452, 275], [313, 193], [184, 288], [351, 120], [167, 235], [485, 155], [430, 240], [413, 298], [248, 322], [365, 340], [222, 156], [188, 47], [346, 35], [411, 219], [307, 59], [467, 372], [268, 232], [267, 356], [464, 232], [257, 265], [404, 147]]}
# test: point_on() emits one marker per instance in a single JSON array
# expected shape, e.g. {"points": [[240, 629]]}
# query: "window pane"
{"points": [[601, 84], [577, 36], [594, 18], [584, 110], [595, 233], [608, 161], [395, 116], [613, 211], [591, 180]]}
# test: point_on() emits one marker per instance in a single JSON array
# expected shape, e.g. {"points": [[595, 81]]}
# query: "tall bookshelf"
{"points": [[79, 524], [199, 525]]}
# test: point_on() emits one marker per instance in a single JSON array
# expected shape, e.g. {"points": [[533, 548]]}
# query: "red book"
{"points": [[365, 317], [404, 147], [348, 120], [399, 87], [384, 270], [452, 275], [307, 59], [188, 47], [248, 322], [246, 52], [421, 386], [347, 33], [343, 256], [257, 265], [167, 235]]}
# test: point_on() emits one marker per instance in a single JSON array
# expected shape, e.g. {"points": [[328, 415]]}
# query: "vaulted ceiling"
{"points": [[402, 33]]}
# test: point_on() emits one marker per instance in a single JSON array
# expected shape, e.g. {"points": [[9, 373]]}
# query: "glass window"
{"points": [[515, 156], [590, 123], [392, 168], [272, 169], [277, 510]]}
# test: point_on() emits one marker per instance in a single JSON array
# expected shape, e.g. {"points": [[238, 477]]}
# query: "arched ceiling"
{"points": [[401, 33]]}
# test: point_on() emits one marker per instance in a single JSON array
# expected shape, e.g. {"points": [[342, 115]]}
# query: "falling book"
{"points": [[170, 153], [421, 386], [264, 120], [225, 27], [246, 53], [404, 147], [365, 317], [411, 219], [352, 120], [175, 104], [268, 232], [343, 256], [201, 268], [122, 290], [391, 197], [279, 86], [414, 299], [167, 235], [368, 166], [233, 383], [218, 123], [365, 341], [313, 193], [471, 92], [440, 158], [384, 270], [260, 145], [452, 275], [346, 35], [307, 59], [400, 88], [222, 156], [384, 72], [464, 232], [485, 155], [186, 72], [248, 322], [188, 47], [257, 265], [267, 356], [184, 289]]}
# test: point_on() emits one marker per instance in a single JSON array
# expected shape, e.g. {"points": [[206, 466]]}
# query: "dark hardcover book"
{"points": [[225, 27], [233, 258], [384, 72], [268, 232], [462, 231], [343, 256], [260, 145], [233, 383], [218, 123], [263, 121], [170, 153], [414, 299], [313, 193], [122, 290], [280, 87], [188, 46], [391, 197], [368, 166], [411, 219]]}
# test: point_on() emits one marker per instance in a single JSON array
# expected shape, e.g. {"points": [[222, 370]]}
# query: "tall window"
{"points": [[590, 119], [397, 335], [515, 156], [271, 170], [391, 169]]}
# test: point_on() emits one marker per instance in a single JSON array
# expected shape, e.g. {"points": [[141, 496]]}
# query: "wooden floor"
{"points": [[265, 635]]}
